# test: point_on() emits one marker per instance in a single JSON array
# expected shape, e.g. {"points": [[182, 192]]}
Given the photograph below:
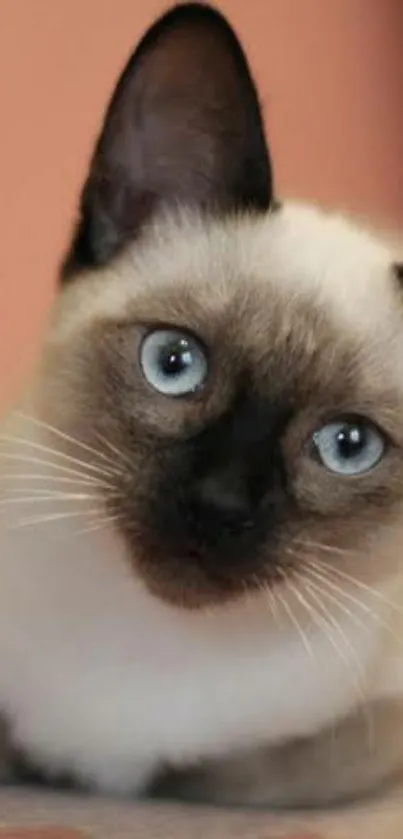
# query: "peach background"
{"points": [[331, 80]]}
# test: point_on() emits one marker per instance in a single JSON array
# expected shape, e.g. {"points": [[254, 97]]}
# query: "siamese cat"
{"points": [[201, 513]]}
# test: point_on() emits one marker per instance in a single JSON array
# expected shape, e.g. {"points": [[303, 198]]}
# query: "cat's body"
{"points": [[161, 623]]}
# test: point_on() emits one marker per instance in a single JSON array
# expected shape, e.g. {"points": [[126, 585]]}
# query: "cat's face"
{"points": [[243, 359]]}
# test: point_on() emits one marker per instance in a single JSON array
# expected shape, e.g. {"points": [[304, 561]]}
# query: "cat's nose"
{"points": [[224, 498]]}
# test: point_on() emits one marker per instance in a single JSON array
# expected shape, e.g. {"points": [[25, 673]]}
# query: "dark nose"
{"points": [[224, 498]]}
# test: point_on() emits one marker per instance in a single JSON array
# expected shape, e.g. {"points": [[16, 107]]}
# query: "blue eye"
{"points": [[173, 362], [349, 447]]}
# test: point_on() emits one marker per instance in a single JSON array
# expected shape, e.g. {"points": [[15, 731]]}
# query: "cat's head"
{"points": [[240, 360]]}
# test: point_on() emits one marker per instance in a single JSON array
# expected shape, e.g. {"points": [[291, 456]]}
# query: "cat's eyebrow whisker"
{"points": [[92, 467], [64, 470], [67, 437]]}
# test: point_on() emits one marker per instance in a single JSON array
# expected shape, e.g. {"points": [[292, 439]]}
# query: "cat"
{"points": [[202, 488]]}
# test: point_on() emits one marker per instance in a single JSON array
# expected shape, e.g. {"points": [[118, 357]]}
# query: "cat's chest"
{"points": [[104, 680]]}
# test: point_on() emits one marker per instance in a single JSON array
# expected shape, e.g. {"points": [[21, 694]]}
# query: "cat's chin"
{"points": [[194, 589], [193, 597]]}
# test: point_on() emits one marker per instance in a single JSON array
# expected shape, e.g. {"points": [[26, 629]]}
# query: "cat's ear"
{"points": [[184, 126]]}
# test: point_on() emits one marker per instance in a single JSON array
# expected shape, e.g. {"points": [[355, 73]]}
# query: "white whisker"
{"points": [[336, 625], [32, 499], [270, 597], [322, 547], [105, 472], [301, 599], [322, 623], [125, 460], [373, 592], [68, 438], [19, 458], [335, 600], [99, 524], [91, 481], [325, 578], [294, 620], [358, 676], [54, 518]]}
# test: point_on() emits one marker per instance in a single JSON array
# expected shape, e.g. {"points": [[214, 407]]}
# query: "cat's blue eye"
{"points": [[173, 362], [349, 447]]}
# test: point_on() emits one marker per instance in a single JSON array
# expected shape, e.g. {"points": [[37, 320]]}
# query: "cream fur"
{"points": [[99, 677]]}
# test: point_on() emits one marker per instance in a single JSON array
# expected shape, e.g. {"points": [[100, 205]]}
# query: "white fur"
{"points": [[98, 676]]}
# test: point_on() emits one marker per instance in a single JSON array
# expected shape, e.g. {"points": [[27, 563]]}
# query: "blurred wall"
{"points": [[331, 80]]}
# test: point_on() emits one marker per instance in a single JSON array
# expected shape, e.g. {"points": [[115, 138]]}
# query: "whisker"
{"points": [[67, 437], [90, 481], [106, 472], [54, 517], [364, 587], [325, 579], [99, 525], [322, 623], [305, 543], [4, 502], [125, 460], [335, 623], [270, 596], [301, 599], [335, 600], [348, 577], [52, 493], [19, 458], [358, 677], [294, 620]]}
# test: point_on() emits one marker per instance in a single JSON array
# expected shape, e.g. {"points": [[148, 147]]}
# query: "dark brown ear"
{"points": [[183, 126]]}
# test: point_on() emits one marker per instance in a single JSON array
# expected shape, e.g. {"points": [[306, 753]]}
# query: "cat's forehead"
{"points": [[296, 251]]}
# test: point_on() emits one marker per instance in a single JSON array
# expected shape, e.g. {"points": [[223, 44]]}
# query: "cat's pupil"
{"points": [[351, 440], [175, 358]]}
